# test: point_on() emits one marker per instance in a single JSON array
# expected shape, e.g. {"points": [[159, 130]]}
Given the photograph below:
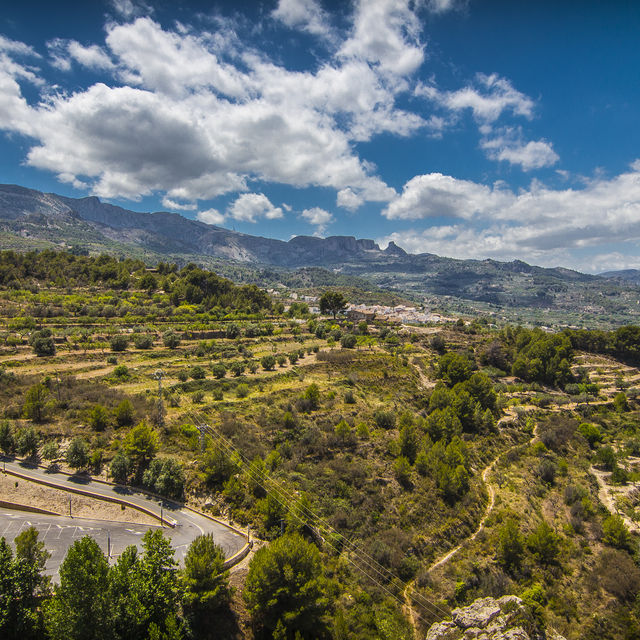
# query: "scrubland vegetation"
{"points": [[360, 453]]}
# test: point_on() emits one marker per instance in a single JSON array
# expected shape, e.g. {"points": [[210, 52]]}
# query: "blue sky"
{"points": [[464, 128]]}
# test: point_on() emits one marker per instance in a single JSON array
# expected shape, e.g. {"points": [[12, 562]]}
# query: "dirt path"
{"points": [[607, 495]]}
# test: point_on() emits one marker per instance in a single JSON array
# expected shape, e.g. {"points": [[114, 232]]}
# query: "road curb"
{"points": [[97, 496], [16, 506]]}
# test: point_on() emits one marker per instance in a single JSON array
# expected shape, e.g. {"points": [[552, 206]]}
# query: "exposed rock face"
{"points": [[487, 619]]}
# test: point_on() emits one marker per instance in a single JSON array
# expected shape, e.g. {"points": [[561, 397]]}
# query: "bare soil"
{"points": [[32, 494]]}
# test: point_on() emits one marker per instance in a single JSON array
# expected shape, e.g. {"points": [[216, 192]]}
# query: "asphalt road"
{"points": [[59, 532]]}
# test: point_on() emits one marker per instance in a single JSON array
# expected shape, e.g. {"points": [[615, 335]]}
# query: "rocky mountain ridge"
{"points": [[514, 291]]}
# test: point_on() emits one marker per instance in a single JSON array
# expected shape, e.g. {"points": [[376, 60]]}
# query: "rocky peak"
{"points": [[395, 250]]}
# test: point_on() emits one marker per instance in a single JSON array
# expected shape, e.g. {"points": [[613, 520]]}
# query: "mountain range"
{"points": [[511, 290]]}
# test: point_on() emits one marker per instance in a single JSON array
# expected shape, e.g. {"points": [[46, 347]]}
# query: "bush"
{"points": [[120, 468], [510, 544], [547, 471], [170, 339], [349, 341], [591, 433], [165, 477], [616, 534], [124, 413], [237, 368], [402, 471], [27, 442], [544, 543], [618, 574], [42, 343], [50, 451], [121, 371], [242, 390], [142, 341], [268, 362], [385, 419], [198, 373], [78, 453], [119, 343], [606, 457], [219, 370], [98, 418]]}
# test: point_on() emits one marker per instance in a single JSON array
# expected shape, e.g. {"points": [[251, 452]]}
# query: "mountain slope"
{"points": [[514, 290]]}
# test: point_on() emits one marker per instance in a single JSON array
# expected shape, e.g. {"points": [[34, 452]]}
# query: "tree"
{"points": [[170, 339], [35, 402], [80, 607], [124, 594], [124, 413], [285, 588], [118, 343], [197, 372], [42, 343], [7, 440], [30, 549], [205, 580], [544, 543], [21, 585], [312, 396], [591, 433], [453, 368], [268, 362], [237, 368], [50, 451], [27, 442], [120, 468], [98, 418], [348, 341], [219, 370], [165, 477], [159, 591], [332, 302], [616, 534], [78, 453], [142, 341], [140, 445], [510, 544]]}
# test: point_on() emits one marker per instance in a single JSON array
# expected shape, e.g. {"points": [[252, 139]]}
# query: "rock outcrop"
{"points": [[489, 619]]}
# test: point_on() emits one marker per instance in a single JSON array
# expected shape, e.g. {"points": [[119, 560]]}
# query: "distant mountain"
{"points": [[513, 290], [29, 212], [632, 276]]}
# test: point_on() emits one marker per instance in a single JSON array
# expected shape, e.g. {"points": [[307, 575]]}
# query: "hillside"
{"points": [[424, 468], [507, 291]]}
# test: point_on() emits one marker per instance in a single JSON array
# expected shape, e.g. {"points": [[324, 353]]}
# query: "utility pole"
{"points": [[201, 429], [158, 375]]}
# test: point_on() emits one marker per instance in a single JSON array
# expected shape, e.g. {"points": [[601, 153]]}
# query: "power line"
{"points": [[282, 494]]}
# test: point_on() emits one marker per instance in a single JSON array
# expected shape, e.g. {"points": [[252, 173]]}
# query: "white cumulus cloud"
{"points": [[318, 217], [210, 216], [538, 224], [306, 15], [509, 145], [251, 206]]}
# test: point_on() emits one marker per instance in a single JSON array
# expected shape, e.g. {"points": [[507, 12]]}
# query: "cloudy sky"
{"points": [[466, 128]]}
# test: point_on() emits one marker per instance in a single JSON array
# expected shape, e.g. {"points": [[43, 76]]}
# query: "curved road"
{"points": [[59, 532]]}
